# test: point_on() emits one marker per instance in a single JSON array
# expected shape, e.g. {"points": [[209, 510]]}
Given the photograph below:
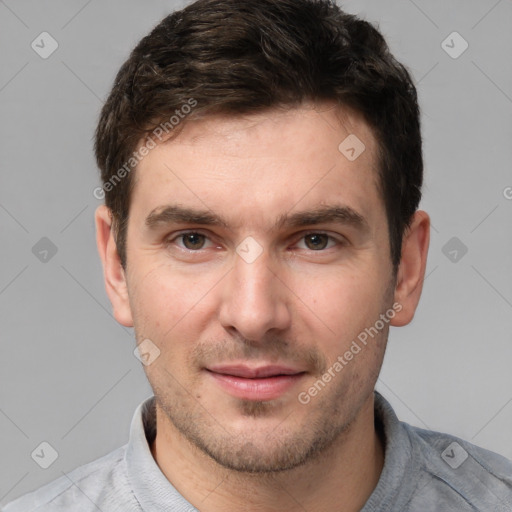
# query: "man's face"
{"points": [[248, 315]]}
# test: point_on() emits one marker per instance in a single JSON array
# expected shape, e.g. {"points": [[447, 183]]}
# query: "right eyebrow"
{"points": [[179, 214]]}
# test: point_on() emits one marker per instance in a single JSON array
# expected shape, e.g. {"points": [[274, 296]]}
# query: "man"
{"points": [[262, 168]]}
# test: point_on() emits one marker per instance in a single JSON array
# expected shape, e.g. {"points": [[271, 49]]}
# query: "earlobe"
{"points": [[411, 271], [113, 272]]}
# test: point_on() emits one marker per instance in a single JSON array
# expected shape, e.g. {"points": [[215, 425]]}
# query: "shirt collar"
{"points": [[154, 492], [399, 454], [150, 486]]}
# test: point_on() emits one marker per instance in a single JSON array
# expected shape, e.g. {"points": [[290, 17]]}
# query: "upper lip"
{"points": [[253, 372]]}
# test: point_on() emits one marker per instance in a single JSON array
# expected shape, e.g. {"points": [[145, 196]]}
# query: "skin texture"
{"points": [[301, 303]]}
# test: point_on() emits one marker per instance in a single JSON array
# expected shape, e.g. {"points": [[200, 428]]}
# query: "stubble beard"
{"points": [[284, 448], [289, 445]]}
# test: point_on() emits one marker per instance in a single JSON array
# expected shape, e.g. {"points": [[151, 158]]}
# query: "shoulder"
{"points": [[101, 484], [461, 472]]}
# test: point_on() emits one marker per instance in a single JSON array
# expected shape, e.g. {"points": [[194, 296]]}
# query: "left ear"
{"points": [[411, 271]]}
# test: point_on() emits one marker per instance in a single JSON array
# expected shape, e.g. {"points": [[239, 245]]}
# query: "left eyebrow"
{"points": [[344, 215], [327, 214]]}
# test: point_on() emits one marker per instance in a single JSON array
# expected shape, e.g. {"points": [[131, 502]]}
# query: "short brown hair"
{"points": [[240, 57]]}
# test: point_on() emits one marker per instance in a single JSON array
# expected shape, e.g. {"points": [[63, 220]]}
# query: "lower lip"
{"points": [[267, 388]]}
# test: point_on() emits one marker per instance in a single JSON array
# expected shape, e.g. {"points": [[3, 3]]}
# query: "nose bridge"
{"points": [[254, 301], [254, 278]]}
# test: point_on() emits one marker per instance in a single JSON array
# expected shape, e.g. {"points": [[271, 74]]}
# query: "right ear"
{"points": [[113, 272]]}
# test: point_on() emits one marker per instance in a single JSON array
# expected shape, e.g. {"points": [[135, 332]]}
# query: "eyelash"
{"points": [[169, 241]]}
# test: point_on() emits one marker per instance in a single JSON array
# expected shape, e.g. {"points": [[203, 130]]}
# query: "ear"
{"points": [[411, 271], [113, 272]]}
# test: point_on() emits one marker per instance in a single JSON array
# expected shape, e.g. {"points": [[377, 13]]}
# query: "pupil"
{"points": [[193, 239], [318, 238]]}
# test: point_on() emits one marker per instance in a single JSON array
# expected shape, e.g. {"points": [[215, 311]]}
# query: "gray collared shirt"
{"points": [[423, 471]]}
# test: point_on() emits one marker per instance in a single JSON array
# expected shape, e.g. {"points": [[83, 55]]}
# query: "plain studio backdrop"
{"points": [[68, 374]]}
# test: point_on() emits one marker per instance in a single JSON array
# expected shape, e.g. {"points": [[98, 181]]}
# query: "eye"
{"points": [[318, 241], [192, 240]]}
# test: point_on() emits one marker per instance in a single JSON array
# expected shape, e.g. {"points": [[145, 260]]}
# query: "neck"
{"points": [[341, 478]]}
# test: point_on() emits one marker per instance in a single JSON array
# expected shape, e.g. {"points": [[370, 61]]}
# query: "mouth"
{"points": [[262, 383]]}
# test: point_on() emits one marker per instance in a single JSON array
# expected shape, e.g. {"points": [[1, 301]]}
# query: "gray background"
{"points": [[68, 373]]}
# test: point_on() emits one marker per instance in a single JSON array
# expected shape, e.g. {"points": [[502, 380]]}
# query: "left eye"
{"points": [[317, 241]]}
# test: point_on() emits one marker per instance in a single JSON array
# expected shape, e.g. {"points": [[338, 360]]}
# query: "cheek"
{"points": [[342, 302], [169, 305], [167, 310], [158, 300]]}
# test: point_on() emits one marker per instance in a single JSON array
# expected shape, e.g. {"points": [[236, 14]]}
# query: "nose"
{"points": [[255, 299]]}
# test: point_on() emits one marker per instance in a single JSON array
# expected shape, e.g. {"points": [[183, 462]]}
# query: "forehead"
{"points": [[254, 168]]}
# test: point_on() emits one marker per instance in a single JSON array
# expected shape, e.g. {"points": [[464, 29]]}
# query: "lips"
{"points": [[254, 372], [265, 382]]}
